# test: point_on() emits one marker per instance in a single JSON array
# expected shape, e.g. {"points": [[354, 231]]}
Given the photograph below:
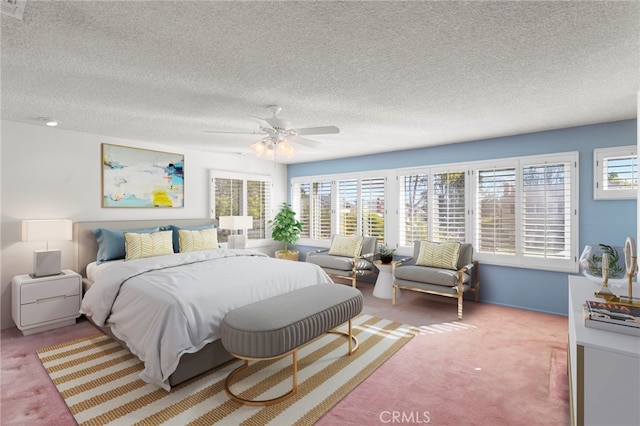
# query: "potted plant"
{"points": [[386, 253], [285, 228]]}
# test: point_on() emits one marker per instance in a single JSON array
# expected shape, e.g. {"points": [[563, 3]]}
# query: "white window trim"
{"points": [[600, 155], [222, 174]]}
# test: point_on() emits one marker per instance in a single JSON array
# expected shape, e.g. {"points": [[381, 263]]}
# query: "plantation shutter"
{"points": [[373, 210], [496, 210], [321, 210], [546, 206], [348, 207], [414, 208], [449, 219], [258, 206], [302, 205], [228, 201], [620, 173]]}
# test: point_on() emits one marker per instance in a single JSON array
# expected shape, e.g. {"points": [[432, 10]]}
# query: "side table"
{"points": [[44, 303], [384, 283]]}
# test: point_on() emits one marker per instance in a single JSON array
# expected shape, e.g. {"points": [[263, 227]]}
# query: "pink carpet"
{"points": [[499, 366]]}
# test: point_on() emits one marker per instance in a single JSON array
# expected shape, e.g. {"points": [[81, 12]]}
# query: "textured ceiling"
{"points": [[390, 75]]}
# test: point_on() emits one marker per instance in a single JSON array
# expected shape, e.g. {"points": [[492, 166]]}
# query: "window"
{"points": [[615, 173], [525, 212], [234, 194], [496, 210], [448, 206], [414, 208], [345, 205], [372, 213], [518, 211], [313, 204]]}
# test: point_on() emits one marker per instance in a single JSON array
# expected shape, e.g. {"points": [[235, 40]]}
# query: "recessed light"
{"points": [[51, 123]]}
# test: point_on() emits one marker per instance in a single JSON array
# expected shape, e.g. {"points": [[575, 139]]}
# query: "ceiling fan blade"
{"points": [[263, 123], [238, 133], [306, 142], [326, 130]]}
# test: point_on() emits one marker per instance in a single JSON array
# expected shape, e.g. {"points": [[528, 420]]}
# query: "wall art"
{"points": [[136, 177]]}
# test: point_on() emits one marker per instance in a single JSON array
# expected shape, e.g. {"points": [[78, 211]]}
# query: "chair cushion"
{"points": [[438, 255], [346, 246], [427, 275], [340, 263]]}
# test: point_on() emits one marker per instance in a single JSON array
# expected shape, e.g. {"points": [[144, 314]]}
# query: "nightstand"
{"points": [[44, 303]]}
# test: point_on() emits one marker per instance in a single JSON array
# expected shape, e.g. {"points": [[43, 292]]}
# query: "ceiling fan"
{"points": [[278, 135]]}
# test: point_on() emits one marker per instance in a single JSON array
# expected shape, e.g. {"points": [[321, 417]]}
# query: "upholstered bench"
{"points": [[276, 327]]}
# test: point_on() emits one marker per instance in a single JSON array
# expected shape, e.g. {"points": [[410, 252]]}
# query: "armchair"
{"points": [[460, 277], [351, 266]]}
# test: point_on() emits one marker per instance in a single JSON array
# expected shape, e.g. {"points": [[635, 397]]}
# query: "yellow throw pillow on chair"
{"points": [[346, 246], [438, 255]]}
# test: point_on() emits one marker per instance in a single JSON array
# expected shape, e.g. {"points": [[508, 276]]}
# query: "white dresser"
{"points": [[604, 367], [44, 303]]}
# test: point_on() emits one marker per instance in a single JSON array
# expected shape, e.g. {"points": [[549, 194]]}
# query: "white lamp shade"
{"points": [[235, 223], [46, 230]]}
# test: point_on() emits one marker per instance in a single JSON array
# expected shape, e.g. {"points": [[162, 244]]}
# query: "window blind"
{"points": [[496, 210], [448, 206], [414, 208]]}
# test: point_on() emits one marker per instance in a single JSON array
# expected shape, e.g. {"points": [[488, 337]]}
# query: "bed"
{"points": [[166, 309]]}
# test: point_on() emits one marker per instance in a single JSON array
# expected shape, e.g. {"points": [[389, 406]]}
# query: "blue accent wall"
{"points": [[601, 221]]}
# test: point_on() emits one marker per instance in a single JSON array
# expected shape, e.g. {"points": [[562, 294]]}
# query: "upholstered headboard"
{"points": [[87, 247]]}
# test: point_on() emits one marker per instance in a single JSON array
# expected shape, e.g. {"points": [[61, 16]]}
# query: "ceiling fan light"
{"points": [[285, 148], [259, 147]]}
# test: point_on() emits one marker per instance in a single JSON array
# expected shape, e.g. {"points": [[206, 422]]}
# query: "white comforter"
{"points": [[165, 306]]}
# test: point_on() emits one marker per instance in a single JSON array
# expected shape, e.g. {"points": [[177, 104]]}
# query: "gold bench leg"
{"points": [[353, 346], [245, 364]]}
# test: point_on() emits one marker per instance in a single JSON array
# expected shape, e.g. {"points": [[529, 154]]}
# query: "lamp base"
{"points": [[236, 242], [47, 262]]}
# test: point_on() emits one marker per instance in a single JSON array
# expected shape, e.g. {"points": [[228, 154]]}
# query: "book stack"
{"points": [[612, 317]]}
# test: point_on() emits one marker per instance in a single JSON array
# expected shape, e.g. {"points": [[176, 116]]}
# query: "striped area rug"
{"points": [[99, 381]]}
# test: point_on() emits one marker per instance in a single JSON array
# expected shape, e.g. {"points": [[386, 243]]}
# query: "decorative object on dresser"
{"points": [[612, 317], [286, 228], [46, 262], [136, 177], [44, 303], [629, 268], [236, 223]]}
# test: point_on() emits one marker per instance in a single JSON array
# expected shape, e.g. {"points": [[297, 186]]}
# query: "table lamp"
{"points": [[46, 262], [235, 223]]}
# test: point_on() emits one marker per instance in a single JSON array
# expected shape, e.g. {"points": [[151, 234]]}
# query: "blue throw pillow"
{"points": [[176, 236], [111, 242]]}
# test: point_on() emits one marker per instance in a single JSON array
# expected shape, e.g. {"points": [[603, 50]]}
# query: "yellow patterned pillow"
{"points": [[138, 246], [346, 246], [438, 255], [203, 239]]}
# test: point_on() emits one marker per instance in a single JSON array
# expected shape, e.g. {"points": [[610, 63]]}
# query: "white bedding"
{"points": [[165, 306]]}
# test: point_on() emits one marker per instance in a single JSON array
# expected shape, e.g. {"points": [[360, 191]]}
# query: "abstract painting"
{"points": [[135, 177]]}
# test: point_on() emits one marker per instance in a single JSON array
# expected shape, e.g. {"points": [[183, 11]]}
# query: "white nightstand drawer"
{"points": [[65, 286], [47, 310]]}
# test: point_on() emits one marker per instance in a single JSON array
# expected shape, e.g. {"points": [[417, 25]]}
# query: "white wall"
{"points": [[56, 174]]}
